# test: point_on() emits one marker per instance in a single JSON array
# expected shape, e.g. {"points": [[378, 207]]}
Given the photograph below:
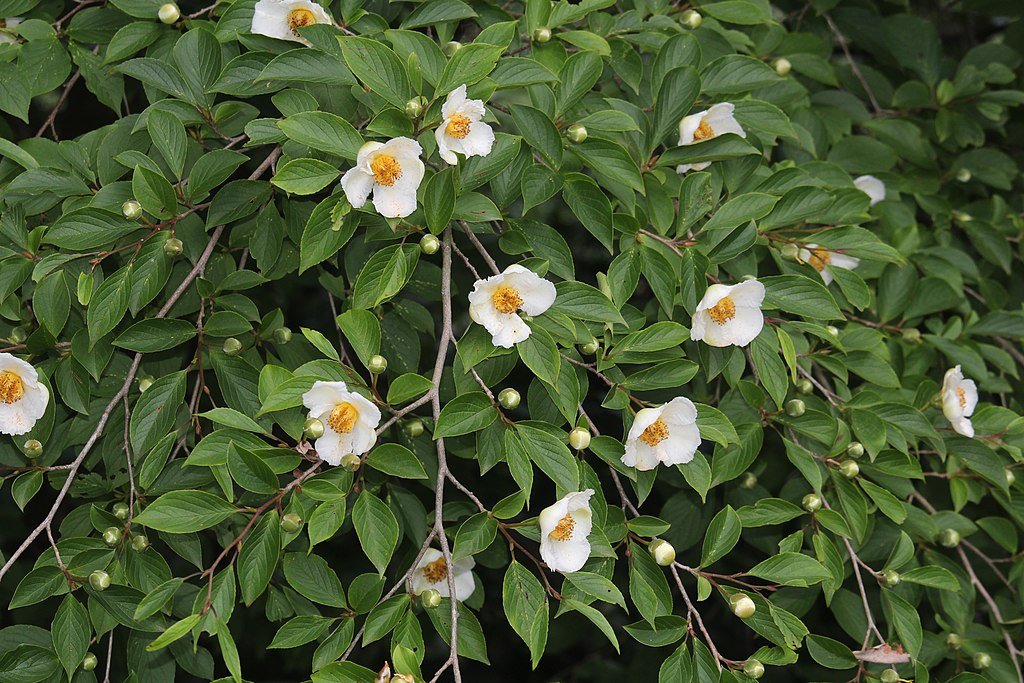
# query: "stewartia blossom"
{"points": [[349, 420], [959, 399], [495, 303], [23, 398], [872, 187], [729, 315], [462, 129], [667, 434], [823, 260], [283, 18], [392, 171], [5, 27], [564, 528], [705, 125], [432, 572]]}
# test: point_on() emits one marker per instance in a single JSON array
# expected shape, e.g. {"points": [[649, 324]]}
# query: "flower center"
{"points": [[436, 571], [961, 396], [819, 259], [703, 132], [343, 418], [386, 169], [563, 530], [723, 311], [507, 300], [655, 433], [298, 18], [11, 387], [458, 126]]}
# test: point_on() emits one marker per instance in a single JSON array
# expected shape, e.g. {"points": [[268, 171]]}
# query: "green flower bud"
{"points": [[413, 108], [451, 47], [541, 34], [912, 335], [742, 606], [855, 449], [833, 330], [112, 535], [790, 251], [753, 669], [313, 428], [377, 364], [282, 336], [99, 580], [891, 578], [169, 13], [811, 502], [954, 641], [173, 247], [849, 468], [120, 510], [430, 598], [34, 449], [662, 551], [889, 676], [691, 18], [414, 428], [89, 662], [291, 523], [963, 175], [949, 538], [590, 348], [232, 346], [804, 385], [579, 439], [982, 660], [577, 133], [795, 407], [18, 335], [748, 480], [429, 244], [782, 66], [145, 383], [140, 542], [351, 461], [1011, 478], [509, 398], [131, 210]]}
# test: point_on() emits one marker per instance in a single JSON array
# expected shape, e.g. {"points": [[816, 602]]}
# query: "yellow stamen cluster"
{"points": [[458, 126], [961, 396], [507, 300], [343, 418], [563, 530], [11, 387], [386, 169], [703, 132], [819, 259], [436, 571], [655, 433], [299, 18], [723, 311]]}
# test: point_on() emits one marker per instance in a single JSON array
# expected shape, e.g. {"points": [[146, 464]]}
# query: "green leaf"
{"points": [[378, 67], [800, 296], [791, 569], [468, 65], [155, 412], [70, 632], [312, 578], [323, 131], [539, 132], [396, 460], [583, 302], [597, 586], [722, 535], [475, 534], [384, 275], [109, 303], [181, 512], [174, 632], [465, 414], [305, 176], [155, 334], [376, 528]]}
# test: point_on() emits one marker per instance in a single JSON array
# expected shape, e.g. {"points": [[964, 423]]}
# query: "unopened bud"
{"points": [[282, 336], [313, 428], [912, 335], [790, 251], [89, 662], [414, 428], [949, 538], [429, 244], [34, 449], [577, 132], [748, 480], [232, 346], [111, 535], [795, 407], [451, 47], [541, 34], [849, 468], [173, 247], [742, 606], [140, 542], [811, 502], [889, 676], [753, 669], [377, 364], [169, 13], [891, 577], [120, 510], [782, 66], [982, 660], [413, 108], [855, 449], [963, 175], [691, 18], [833, 330], [291, 523], [954, 641], [350, 461], [579, 439], [131, 210], [662, 551], [509, 398], [1010, 477], [590, 348], [804, 385], [430, 598], [145, 383], [99, 580]]}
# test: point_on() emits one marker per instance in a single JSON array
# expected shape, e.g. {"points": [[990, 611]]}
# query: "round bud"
{"points": [[112, 535], [509, 398], [891, 577], [145, 383], [954, 641], [1010, 477], [34, 449], [590, 348], [748, 480], [579, 439], [949, 538], [541, 34], [963, 216], [790, 251], [849, 468], [804, 385], [89, 662], [753, 669], [173, 247], [577, 132], [833, 330], [429, 244], [131, 210], [282, 336], [451, 47], [169, 13], [795, 407], [889, 676], [782, 66], [691, 18], [18, 335], [963, 175], [742, 606], [414, 428], [811, 502], [291, 523], [912, 335], [140, 542], [99, 580], [662, 551], [855, 449], [430, 598], [313, 428], [120, 510], [350, 461], [232, 346], [413, 108], [982, 660], [377, 364]]}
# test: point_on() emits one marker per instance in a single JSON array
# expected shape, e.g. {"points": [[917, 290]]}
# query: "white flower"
{"points": [[432, 572], [283, 18], [462, 129], [564, 528], [705, 125], [5, 30], [872, 187], [495, 303], [959, 399], [667, 434], [392, 171], [23, 398], [823, 260], [349, 420], [729, 315]]}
